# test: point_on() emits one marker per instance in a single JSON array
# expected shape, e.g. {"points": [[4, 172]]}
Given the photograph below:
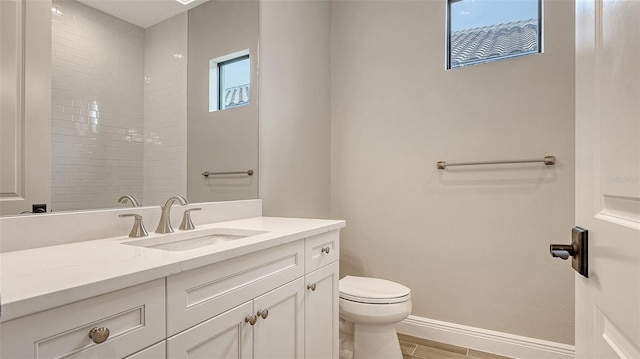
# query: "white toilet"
{"points": [[369, 311]]}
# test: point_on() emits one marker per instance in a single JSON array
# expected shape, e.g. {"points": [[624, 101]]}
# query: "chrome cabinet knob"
{"points": [[251, 319], [264, 313], [312, 287], [99, 335], [325, 250]]}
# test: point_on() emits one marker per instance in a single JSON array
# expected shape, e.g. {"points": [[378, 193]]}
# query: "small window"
{"points": [[229, 81], [481, 31]]}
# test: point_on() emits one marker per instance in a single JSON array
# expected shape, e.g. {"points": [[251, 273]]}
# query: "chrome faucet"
{"points": [[164, 226], [128, 198]]}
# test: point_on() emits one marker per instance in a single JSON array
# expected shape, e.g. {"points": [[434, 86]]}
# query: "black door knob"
{"points": [[563, 251], [578, 249]]}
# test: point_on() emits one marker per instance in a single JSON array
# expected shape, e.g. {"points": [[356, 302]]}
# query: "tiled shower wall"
{"points": [[118, 108], [165, 110], [97, 112]]}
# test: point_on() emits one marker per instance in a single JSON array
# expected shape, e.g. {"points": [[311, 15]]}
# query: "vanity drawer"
{"points": [[321, 250], [199, 294], [135, 317], [158, 351]]}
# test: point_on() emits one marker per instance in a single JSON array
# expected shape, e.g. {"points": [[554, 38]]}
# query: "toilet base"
{"points": [[364, 341]]}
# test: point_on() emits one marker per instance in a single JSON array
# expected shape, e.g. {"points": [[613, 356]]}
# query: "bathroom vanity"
{"points": [[247, 288]]}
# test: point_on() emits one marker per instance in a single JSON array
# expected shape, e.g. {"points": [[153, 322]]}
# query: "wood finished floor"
{"points": [[417, 348]]}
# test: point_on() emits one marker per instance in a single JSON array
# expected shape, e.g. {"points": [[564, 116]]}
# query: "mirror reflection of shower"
{"points": [[120, 95]]}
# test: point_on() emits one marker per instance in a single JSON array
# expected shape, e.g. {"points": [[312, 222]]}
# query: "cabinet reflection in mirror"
{"points": [[129, 102]]}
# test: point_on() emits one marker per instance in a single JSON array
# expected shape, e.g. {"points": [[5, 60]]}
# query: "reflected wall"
{"points": [[119, 117], [223, 140], [97, 107]]}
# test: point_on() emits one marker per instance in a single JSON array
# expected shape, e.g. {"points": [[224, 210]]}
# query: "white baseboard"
{"points": [[490, 341]]}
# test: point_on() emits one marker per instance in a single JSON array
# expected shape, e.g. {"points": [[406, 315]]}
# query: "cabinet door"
{"points": [[226, 336], [157, 351], [321, 313], [279, 334]]}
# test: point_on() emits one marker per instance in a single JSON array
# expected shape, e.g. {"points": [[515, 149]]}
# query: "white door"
{"points": [[607, 176], [25, 104]]}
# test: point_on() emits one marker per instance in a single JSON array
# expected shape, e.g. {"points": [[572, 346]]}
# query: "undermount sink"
{"points": [[185, 240]]}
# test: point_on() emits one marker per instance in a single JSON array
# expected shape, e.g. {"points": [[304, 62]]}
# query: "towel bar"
{"points": [[547, 160]]}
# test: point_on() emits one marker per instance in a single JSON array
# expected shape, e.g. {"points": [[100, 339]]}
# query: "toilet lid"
{"points": [[372, 290]]}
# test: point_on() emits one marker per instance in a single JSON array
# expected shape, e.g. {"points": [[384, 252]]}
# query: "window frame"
{"points": [[215, 84], [448, 35], [220, 65]]}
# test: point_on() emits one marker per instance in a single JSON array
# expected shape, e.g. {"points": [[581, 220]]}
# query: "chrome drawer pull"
{"points": [[325, 250], [99, 335], [312, 287]]}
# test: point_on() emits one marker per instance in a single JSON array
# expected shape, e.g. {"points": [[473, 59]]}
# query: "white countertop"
{"points": [[37, 279]]}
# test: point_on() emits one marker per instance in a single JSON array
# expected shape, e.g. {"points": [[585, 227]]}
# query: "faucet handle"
{"points": [[187, 224], [138, 229]]}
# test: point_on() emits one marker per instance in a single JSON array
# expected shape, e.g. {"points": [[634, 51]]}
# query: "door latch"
{"points": [[577, 250]]}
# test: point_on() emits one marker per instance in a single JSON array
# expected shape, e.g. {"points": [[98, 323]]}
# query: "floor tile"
{"points": [[433, 344], [407, 348], [476, 354], [432, 353], [419, 348]]}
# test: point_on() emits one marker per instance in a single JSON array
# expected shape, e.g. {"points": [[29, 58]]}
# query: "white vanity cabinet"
{"points": [[240, 333], [134, 316], [322, 296], [278, 302], [289, 309], [199, 294], [214, 291]]}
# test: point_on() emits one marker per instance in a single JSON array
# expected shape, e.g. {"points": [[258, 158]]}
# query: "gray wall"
{"points": [[471, 243], [165, 110], [221, 141], [294, 108]]}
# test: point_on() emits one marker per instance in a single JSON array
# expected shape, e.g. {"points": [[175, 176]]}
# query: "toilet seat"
{"points": [[373, 290]]}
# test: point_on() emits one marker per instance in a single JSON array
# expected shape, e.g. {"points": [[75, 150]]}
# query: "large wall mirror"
{"points": [[131, 85]]}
